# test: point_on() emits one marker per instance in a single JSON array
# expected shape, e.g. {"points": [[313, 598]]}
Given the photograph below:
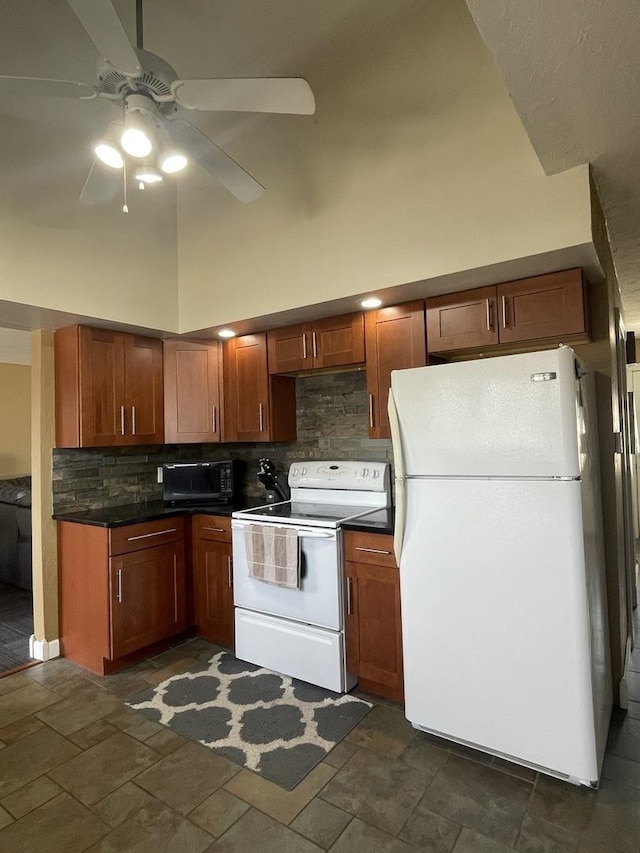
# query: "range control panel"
{"points": [[361, 476]]}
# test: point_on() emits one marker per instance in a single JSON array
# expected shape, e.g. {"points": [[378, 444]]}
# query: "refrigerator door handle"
{"points": [[398, 532]]}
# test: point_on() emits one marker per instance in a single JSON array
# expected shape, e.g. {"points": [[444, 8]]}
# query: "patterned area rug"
{"points": [[276, 726]]}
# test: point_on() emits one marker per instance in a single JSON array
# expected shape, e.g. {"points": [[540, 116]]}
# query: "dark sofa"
{"points": [[15, 532]]}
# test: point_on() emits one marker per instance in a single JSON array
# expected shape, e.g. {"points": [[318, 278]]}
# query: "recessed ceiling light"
{"points": [[372, 302], [226, 333]]}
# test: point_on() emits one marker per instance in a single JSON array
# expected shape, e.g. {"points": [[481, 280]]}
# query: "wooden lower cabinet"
{"points": [[147, 597], [121, 589], [213, 578], [373, 625]]}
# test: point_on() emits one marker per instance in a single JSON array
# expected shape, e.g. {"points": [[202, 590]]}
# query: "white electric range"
{"points": [[300, 632]]}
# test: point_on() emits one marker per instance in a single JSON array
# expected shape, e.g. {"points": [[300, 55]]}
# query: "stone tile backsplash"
{"points": [[332, 416]]}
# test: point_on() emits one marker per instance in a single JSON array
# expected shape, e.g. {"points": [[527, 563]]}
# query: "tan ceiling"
{"points": [[573, 73], [571, 76]]}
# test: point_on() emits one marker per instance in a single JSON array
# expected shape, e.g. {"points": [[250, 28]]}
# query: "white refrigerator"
{"points": [[499, 542]]}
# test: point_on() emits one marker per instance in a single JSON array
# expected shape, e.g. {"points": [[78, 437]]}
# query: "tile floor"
{"points": [[79, 771]]}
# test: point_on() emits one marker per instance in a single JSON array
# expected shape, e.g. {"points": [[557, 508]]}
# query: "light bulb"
{"points": [[148, 175], [226, 333], [136, 142], [371, 302], [172, 162], [109, 155], [107, 150]]}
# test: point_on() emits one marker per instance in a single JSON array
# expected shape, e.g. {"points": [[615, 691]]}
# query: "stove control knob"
{"points": [[365, 472], [304, 472], [376, 474], [294, 473]]}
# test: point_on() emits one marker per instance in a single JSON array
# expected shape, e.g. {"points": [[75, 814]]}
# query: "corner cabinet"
{"points": [[257, 406], [395, 340], [541, 308], [109, 388], [213, 578], [373, 627], [192, 391], [121, 589], [333, 342]]}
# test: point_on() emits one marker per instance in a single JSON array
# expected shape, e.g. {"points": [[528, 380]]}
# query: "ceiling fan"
{"points": [[153, 101]]}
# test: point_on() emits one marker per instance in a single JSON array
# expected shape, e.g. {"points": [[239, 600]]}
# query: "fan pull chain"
{"points": [[125, 207]]}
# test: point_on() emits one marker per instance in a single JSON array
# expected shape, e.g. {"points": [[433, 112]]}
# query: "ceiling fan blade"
{"points": [[256, 95], [35, 87], [214, 160], [101, 185], [105, 30]]}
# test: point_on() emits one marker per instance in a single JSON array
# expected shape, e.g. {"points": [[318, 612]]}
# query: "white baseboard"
{"points": [[43, 649]]}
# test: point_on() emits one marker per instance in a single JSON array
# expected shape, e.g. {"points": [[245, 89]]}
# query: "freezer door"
{"points": [[512, 416], [495, 620]]}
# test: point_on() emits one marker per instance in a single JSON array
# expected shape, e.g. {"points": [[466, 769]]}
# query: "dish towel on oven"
{"points": [[273, 554]]}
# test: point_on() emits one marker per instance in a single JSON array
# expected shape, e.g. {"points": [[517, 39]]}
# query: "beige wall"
{"points": [[415, 165], [15, 420]]}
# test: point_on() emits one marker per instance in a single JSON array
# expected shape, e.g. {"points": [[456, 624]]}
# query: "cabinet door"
{"points": [[545, 306], [143, 398], [213, 591], [337, 341], [289, 349], [101, 380], [462, 320], [191, 392], [246, 389], [147, 590], [395, 340], [375, 591]]}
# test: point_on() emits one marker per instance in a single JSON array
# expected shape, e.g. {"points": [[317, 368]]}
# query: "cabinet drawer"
{"points": [[375, 548], [134, 537], [216, 527]]}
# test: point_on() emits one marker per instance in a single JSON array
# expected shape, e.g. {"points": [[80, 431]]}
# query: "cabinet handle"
{"points": [[349, 598], [122, 420], [214, 420], [215, 529], [261, 413], [489, 324], [230, 570], [119, 589], [370, 411], [175, 588], [373, 550], [133, 420], [504, 312], [149, 535], [315, 345], [304, 345]]}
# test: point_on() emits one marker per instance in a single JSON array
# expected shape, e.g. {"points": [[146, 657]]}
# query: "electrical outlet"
{"points": [[159, 473]]}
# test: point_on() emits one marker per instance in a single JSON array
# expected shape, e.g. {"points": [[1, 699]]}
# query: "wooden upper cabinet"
{"points": [[462, 320], [143, 390], [108, 388], [337, 341], [542, 307], [192, 383], [289, 349], [395, 340], [258, 407], [334, 342], [539, 308]]}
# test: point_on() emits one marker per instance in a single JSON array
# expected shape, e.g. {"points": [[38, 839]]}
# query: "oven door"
{"points": [[319, 599]]}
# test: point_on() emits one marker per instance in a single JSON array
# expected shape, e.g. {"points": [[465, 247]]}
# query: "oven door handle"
{"points": [[308, 534]]}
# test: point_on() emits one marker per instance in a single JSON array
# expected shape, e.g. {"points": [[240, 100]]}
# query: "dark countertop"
{"points": [[118, 516], [379, 521]]}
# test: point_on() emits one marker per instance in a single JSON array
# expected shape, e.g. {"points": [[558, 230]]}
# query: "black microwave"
{"points": [[190, 482]]}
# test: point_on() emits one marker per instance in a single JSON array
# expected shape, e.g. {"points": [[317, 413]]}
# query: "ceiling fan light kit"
{"points": [[155, 101]]}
